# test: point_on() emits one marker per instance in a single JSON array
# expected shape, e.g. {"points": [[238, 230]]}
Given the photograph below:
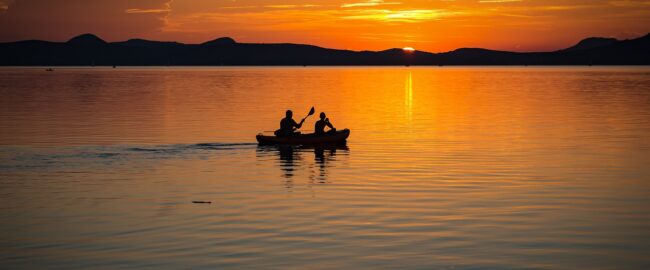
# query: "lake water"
{"points": [[445, 168]]}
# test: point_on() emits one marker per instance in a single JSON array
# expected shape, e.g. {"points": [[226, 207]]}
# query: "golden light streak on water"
{"points": [[408, 99]]}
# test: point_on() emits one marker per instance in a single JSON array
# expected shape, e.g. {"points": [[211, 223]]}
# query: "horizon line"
{"points": [[305, 44]]}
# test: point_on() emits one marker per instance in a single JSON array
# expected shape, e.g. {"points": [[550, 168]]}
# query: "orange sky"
{"points": [[430, 25]]}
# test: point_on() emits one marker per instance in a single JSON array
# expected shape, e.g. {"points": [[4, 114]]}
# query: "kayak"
{"points": [[337, 137]]}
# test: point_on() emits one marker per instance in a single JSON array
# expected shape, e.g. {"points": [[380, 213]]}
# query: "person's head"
{"points": [[322, 115], [289, 114]]}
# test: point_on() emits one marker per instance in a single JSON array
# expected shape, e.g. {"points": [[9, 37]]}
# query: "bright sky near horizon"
{"points": [[430, 25]]}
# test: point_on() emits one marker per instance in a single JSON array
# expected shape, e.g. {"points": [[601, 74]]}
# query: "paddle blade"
{"points": [[311, 112]]}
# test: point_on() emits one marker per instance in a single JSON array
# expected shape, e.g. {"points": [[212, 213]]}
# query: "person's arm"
{"points": [[327, 122], [298, 125]]}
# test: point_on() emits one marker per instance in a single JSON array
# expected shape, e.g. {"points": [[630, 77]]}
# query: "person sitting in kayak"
{"points": [[319, 127], [288, 126]]}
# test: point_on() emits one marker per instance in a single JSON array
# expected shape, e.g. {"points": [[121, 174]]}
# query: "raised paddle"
{"points": [[311, 112]]}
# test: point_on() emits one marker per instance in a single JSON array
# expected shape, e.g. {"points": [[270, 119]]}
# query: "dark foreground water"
{"points": [[446, 168]]}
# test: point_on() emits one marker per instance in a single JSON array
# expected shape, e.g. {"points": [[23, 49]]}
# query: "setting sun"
{"points": [[408, 49]]}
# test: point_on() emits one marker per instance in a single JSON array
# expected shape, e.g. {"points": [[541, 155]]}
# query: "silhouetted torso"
{"points": [[287, 126], [319, 127]]}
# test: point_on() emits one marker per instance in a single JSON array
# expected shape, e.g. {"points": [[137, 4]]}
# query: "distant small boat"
{"points": [[49, 69], [338, 137]]}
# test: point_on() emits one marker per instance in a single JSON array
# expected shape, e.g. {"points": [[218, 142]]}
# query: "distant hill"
{"points": [[88, 49], [86, 40], [590, 43], [220, 41]]}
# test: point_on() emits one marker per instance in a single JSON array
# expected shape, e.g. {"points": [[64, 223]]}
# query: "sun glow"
{"points": [[408, 49], [433, 26]]}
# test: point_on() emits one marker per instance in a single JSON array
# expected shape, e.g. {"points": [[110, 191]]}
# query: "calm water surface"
{"points": [[446, 168]]}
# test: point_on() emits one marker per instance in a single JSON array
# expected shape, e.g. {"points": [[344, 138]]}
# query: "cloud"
{"points": [[137, 10], [370, 3], [291, 6], [167, 7], [275, 6], [409, 16], [629, 3], [499, 1], [256, 20], [238, 7], [4, 5]]}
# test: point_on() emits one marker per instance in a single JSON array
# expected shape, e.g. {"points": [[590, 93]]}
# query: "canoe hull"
{"points": [[338, 137]]}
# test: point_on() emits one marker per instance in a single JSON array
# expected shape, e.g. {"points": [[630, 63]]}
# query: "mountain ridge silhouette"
{"points": [[592, 42], [89, 49]]}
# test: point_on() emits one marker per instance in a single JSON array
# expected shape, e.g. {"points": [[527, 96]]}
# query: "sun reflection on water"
{"points": [[408, 97]]}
